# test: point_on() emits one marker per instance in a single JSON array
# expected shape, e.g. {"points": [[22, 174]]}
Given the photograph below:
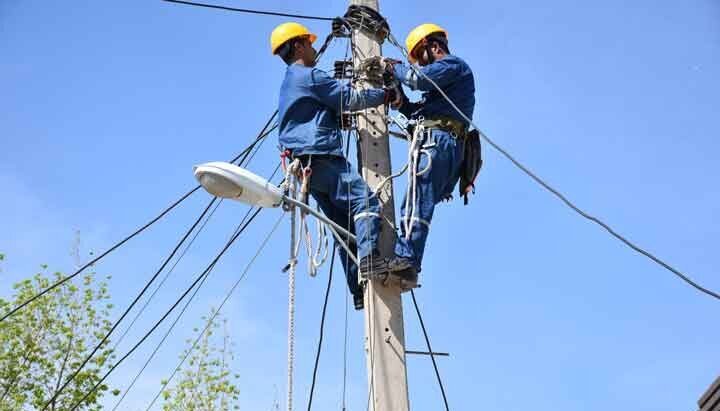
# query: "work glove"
{"points": [[388, 77], [390, 62], [394, 96]]}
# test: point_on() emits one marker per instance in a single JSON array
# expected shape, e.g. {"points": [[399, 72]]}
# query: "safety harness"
{"points": [[472, 152]]}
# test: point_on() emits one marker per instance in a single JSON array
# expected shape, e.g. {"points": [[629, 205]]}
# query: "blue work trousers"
{"points": [[346, 199], [444, 156]]}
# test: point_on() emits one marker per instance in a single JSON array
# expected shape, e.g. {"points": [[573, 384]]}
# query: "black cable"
{"points": [[210, 320], [322, 328], [177, 319], [244, 160], [98, 258], [347, 256], [127, 310], [167, 313], [242, 221], [164, 279], [261, 135], [432, 356], [266, 13], [162, 214]]}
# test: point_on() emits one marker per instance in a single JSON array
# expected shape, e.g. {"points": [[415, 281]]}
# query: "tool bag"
{"points": [[471, 164]]}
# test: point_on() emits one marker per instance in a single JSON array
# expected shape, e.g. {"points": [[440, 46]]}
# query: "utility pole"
{"points": [[384, 332]]}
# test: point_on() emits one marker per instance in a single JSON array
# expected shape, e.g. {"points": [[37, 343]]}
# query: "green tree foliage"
{"points": [[205, 383], [47, 340]]}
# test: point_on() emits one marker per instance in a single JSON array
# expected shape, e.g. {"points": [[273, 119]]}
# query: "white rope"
{"points": [[322, 252], [414, 151], [316, 256], [291, 180]]}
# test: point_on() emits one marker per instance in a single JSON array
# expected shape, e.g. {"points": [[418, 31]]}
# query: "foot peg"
{"points": [[406, 280]]}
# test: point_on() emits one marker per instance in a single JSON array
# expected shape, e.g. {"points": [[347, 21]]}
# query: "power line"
{"points": [[101, 256], [132, 304], [210, 320], [432, 355], [264, 132], [177, 319], [250, 11], [172, 326], [552, 190], [154, 220], [167, 275], [322, 328], [167, 313]]}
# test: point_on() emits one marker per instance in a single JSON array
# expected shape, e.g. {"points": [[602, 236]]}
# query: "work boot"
{"points": [[373, 263]]}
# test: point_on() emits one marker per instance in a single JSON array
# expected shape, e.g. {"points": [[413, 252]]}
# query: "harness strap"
{"points": [[365, 214]]}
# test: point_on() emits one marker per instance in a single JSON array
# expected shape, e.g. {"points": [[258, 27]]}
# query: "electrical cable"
{"points": [[347, 258], [164, 279], [210, 320], [155, 219], [172, 326], [132, 304], [168, 312], [244, 161], [432, 355], [101, 256], [250, 11], [554, 191], [322, 328]]}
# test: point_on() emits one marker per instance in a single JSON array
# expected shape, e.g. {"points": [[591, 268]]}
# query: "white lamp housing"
{"points": [[230, 181]]}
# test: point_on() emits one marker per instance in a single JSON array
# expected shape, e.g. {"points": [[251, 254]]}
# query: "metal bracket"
{"points": [[389, 279], [371, 69], [343, 69], [367, 20], [437, 354]]}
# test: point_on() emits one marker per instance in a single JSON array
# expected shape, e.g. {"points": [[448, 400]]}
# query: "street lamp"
{"points": [[229, 181]]}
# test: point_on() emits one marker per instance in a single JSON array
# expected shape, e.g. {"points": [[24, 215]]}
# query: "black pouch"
{"points": [[471, 164]]}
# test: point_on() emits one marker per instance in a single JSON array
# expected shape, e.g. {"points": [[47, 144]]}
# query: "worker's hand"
{"points": [[389, 78], [395, 97], [390, 62]]}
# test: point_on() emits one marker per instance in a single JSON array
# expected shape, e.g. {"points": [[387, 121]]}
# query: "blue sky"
{"points": [[105, 107]]}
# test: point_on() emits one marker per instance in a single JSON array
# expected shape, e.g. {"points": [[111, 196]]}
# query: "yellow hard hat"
{"points": [[418, 34], [288, 31]]}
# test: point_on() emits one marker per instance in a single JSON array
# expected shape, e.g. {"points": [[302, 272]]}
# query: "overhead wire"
{"points": [[250, 11], [167, 381], [147, 285], [142, 228], [242, 156], [347, 258], [155, 219], [169, 311], [244, 160], [174, 323], [164, 279], [322, 328], [180, 315]]}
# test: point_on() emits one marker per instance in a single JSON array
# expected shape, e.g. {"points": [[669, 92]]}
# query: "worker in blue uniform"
{"points": [[445, 129], [309, 107]]}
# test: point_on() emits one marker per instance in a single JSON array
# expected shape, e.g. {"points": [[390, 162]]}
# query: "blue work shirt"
{"points": [[453, 75], [309, 107]]}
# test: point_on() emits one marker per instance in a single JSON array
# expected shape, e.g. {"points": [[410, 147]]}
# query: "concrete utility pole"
{"points": [[384, 332]]}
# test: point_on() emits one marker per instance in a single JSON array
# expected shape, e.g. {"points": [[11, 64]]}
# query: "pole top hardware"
{"points": [[368, 20]]}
